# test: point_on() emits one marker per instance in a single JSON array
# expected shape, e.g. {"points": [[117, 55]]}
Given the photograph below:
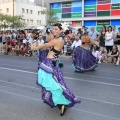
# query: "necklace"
{"points": [[56, 37]]}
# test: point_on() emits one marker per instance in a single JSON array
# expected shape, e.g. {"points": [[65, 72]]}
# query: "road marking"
{"points": [[94, 76], [19, 66], [26, 86], [30, 98], [82, 80], [69, 73]]}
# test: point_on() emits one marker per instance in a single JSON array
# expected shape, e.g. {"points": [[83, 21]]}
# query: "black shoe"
{"points": [[63, 108], [59, 106]]}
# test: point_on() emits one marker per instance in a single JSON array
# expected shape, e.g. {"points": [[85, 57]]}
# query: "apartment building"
{"points": [[30, 11]]}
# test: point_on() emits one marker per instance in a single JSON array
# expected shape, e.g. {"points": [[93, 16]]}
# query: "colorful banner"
{"points": [[115, 13], [104, 7], [103, 13], [90, 14], [67, 4], [67, 15], [116, 6], [76, 15], [57, 10], [56, 5], [104, 1], [115, 1], [103, 22], [66, 10], [76, 23], [90, 2], [89, 8], [92, 8]]}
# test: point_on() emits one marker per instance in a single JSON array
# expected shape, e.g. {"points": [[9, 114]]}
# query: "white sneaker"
{"points": [[99, 62], [117, 63]]}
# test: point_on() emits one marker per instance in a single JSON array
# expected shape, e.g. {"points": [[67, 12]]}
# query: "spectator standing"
{"points": [[114, 31], [95, 36], [109, 42], [102, 39]]}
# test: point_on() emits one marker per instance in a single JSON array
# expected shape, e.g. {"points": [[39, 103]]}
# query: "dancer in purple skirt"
{"points": [[42, 54], [83, 59], [54, 89]]}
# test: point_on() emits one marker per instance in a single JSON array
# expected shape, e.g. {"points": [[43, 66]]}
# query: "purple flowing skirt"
{"points": [[42, 55], [48, 67], [83, 60]]}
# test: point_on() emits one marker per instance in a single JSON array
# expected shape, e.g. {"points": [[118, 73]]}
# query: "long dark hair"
{"points": [[58, 25], [115, 47], [104, 27], [109, 27]]}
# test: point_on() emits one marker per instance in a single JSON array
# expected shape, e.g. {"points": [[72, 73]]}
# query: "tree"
{"points": [[52, 18], [11, 21], [16, 21]]}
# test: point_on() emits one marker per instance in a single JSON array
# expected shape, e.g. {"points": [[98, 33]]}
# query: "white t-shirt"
{"points": [[76, 44], [40, 42], [30, 41], [24, 41], [110, 42], [97, 54]]}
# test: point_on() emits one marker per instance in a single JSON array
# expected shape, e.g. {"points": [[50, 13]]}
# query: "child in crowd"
{"points": [[16, 49], [28, 51], [98, 54], [114, 54], [104, 56]]}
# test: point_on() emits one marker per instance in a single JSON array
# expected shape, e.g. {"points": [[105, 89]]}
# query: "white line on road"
{"points": [[82, 80], [97, 114], [93, 76], [68, 73], [95, 100]]}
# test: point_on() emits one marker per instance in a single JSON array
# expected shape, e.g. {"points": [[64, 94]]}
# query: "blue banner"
{"points": [[90, 23], [77, 9], [77, 4], [56, 5], [90, 2]]}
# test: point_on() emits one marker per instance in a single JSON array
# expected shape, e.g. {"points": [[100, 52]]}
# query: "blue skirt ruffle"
{"points": [[54, 89]]}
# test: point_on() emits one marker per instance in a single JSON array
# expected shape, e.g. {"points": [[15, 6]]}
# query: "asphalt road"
{"points": [[20, 97]]}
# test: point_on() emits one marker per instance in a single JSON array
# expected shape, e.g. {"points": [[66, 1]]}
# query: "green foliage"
{"points": [[11, 21], [52, 18]]}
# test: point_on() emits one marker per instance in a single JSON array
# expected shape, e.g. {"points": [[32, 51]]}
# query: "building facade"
{"points": [[30, 11], [88, 12]]}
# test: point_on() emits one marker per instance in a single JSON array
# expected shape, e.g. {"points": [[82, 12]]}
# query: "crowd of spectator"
{"points": [[18, 42]]}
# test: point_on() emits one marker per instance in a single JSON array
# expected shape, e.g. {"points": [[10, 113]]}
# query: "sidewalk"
{"points": [[35, 56]]}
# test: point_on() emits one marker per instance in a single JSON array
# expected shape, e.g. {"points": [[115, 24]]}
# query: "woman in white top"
{"points": [[109, 42]]}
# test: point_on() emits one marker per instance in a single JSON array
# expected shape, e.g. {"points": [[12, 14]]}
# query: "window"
{"points": [[0, 10], [27, 21], [31, 11], [7, 10], [31, 22], [38, 12], [23, 20], [23, 10], [38, 22], [27, 11]]}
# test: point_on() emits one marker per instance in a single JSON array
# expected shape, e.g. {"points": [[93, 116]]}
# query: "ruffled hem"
{"points": [[80, 69], [66, 92]]}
